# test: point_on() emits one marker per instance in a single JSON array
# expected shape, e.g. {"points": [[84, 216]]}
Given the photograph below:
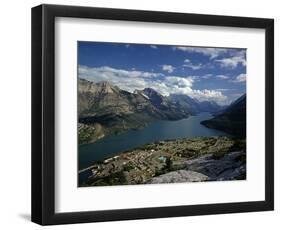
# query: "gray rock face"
{"points": [[207, 168], [229, 167], [179, 176], [104, 103]]}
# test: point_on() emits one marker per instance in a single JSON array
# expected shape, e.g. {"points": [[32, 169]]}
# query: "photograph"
{"points": [[142, 113], [152, 114]]}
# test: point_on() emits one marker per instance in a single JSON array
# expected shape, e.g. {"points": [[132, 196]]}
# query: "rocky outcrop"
{"points": [[231, 166], [179, 176]]}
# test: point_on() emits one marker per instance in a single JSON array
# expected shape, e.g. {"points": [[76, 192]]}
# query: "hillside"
{"points": [[186, 102], [232, 120], [194, 106], [113, 110], [105, 109]]}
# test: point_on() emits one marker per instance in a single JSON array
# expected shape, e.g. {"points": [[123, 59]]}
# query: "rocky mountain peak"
{"points": [[151, 92], [105, 87]]}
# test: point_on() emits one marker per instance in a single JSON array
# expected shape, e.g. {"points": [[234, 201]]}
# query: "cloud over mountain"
{"points": [[131, 80]]}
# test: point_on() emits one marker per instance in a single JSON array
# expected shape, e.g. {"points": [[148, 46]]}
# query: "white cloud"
{"points": [[233, 61], [153, 47], [207, 76], [235, 57], [164, 84], [222, 77], [240, 78], [210, 52], [179, 81], [106, 71], [209, 95], [189, 64], [223, 90], [168, 68]]}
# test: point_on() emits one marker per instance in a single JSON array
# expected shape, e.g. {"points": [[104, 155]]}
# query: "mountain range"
{"points": [[194, 106], [231, 120], [105, 109]]}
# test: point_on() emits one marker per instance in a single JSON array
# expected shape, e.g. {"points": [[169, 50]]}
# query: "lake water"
{"points": [[156, 131]]}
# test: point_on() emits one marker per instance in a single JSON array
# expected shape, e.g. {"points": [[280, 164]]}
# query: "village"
{"points": [[139, 165]]}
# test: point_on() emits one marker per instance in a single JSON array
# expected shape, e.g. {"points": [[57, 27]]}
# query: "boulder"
{"points": [[179, 176]]}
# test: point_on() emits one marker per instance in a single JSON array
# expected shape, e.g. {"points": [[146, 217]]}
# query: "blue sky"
{"points": [[204, 73]]}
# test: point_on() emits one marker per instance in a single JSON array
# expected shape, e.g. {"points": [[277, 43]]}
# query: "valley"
{"points": [[105, 109], [145, 137], [160, 113]]}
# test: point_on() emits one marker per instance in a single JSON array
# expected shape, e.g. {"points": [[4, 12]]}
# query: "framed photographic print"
{"points": [[141, 114]]}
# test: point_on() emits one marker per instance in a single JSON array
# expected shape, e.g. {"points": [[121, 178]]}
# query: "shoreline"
{"points": [[144, 162], [135, 129], [161, 130]]}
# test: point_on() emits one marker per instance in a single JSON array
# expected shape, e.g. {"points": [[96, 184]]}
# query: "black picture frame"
{"points": [[43, 114]]}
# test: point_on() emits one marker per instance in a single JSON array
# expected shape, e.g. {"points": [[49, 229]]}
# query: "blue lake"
{"points": [[156, 131]]}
